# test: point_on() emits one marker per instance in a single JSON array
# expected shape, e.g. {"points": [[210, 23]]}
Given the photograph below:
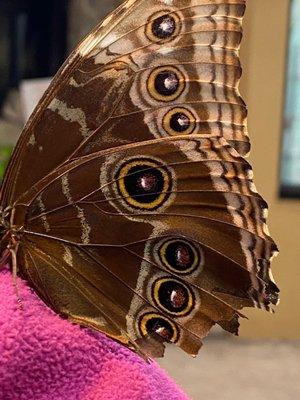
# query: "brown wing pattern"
{"points": [[140, 217], [193, 247], [112, 89]]}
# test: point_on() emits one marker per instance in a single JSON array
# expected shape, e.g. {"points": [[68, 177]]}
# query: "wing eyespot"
{"points": [[144, 184], [179, 121], [180, 257], [166, 83], [152, 323], [173, 296], [163, 26]]}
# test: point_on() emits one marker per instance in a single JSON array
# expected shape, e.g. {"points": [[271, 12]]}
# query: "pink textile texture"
{"points": [[44, 357]]}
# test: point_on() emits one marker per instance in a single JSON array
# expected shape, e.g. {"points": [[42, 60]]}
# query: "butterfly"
{"points": [[128, 204]]}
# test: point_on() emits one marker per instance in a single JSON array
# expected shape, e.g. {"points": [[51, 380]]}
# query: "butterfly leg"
{"points": [[5, 257], [11, 253]]}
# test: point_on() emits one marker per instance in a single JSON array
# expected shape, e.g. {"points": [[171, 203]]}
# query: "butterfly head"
{"points": [[4, 220]]}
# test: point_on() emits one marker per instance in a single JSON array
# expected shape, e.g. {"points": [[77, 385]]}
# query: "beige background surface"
{"points": [[264, 59], [238, 370]]}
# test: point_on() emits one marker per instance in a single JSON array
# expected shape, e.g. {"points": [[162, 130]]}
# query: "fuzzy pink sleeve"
{"points": [[43, 357]]}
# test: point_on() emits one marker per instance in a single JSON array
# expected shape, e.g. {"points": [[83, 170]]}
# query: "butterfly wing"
{"points": [[141, 218], [124, 80], [165, 237]]}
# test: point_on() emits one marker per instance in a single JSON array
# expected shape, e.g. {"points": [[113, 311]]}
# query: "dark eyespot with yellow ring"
{"points": [[180, 256], [166, 83], [173, 296], [144, 183], [156, 324], [163, 26], [179, 121]]}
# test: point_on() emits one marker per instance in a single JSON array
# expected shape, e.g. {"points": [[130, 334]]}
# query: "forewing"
{"points": [[151, 69]]}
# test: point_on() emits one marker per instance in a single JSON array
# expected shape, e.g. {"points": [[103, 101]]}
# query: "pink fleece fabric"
{"points": [[44, 357]]}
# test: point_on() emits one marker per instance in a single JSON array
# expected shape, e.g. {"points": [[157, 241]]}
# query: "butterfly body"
{"points": [[128, 202]]}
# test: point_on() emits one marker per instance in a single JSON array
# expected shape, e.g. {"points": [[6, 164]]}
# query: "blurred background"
{"points": [[264, 363]]}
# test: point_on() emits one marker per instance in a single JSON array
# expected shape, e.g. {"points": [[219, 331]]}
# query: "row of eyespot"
{"points": [[164, 84], [170, 294]]}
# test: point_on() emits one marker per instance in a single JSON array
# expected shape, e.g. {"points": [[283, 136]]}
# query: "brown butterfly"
{"points": [[127, 204]]}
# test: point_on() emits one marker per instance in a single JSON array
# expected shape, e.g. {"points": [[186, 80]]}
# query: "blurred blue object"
{"points": [[290, 165]]}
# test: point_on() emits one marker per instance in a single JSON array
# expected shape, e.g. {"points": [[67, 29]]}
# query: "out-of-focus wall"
{"points": [[264, 60], [84, 15]]}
